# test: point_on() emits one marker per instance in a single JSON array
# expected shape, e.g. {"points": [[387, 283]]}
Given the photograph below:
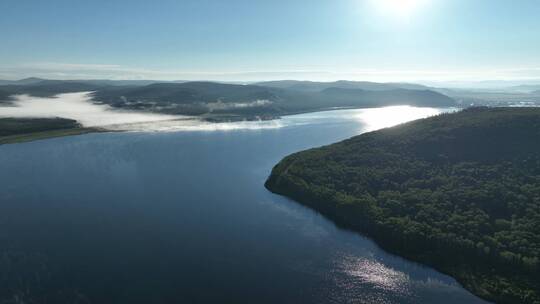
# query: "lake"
{"points": [[183, 217]]}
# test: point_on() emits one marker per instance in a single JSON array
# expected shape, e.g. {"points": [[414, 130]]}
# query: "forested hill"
{"points": [[4, 96], [233, 101], [200, 98], [314, 86], [459, 192], [43, 88]]}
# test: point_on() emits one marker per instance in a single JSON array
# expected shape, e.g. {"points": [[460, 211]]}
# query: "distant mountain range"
{"points": [[47, 88], [235, 101], [262, 99], [532, 88], [4, 96], [100, 82], [24, 81], [310, 86]]}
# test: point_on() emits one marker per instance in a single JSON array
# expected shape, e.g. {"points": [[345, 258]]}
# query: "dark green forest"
{"points": [[13, 130], [15, 126], [459, 192]]}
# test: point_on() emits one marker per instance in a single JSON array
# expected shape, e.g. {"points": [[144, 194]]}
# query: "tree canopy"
{"points": [[459, 192]]}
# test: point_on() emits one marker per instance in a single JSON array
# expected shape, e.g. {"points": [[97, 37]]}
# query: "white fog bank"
{"points": [[78, 106]]}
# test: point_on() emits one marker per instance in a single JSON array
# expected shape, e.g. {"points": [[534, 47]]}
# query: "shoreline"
{"points": [[33, 136], [358, 184], [371, 234]]}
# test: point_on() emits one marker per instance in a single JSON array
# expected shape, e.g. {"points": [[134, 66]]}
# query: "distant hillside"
{"points": [[353, 97], [190, 92], [526, 88], [459, 192], [198, 98], [4, 95], [194, 98], [47, 88], [107, 82], [310, 86], [234, 101], [100, 82], [25, 81], [492, 98]]}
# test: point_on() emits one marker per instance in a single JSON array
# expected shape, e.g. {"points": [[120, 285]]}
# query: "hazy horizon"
{"points": [[458, 84]]}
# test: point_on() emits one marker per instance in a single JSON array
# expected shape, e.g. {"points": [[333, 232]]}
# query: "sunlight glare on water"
{"points": [[376, 274], [379, 118]]}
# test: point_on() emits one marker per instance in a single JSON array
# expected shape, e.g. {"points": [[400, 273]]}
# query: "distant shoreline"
{"points": [[27, 137], [18, 130]]}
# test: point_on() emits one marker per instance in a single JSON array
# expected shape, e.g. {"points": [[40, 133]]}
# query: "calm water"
{"points": [[183, 217]]}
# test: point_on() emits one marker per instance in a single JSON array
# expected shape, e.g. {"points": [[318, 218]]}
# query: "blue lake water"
{"points": [[183, 217]]}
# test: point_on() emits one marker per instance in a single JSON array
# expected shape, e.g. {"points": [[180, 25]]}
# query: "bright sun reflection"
{"points": [[379, 118], [403, 9], [375, 274]]}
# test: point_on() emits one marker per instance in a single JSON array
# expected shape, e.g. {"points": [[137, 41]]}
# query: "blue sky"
{"points": [[381, 40]]}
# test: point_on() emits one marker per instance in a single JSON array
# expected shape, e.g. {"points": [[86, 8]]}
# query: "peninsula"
{"points": [[459, 192]]}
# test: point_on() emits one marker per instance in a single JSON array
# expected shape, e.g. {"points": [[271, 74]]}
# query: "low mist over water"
{"points": [[78, 106]]}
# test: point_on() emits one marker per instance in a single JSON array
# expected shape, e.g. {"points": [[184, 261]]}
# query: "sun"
{"points": [[404, 9]]}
